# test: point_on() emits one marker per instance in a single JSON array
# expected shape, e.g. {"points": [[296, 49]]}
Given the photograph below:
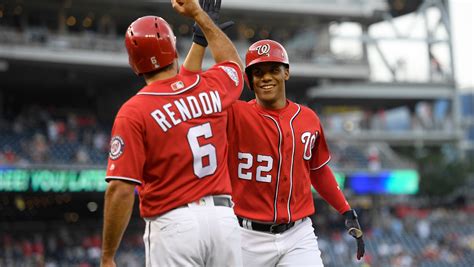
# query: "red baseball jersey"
{"points": [[271, 153], [170, 139]]}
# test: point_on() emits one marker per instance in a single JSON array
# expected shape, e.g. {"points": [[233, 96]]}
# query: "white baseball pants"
{"points": [[199, 234], [298, 246]]}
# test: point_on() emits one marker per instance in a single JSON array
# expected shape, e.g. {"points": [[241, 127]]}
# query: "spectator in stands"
{"points": [[396, 226], [100, 141], [374, 162], [7, 155], [39, 149], [423, 228], [402, 259], [82, 157]]}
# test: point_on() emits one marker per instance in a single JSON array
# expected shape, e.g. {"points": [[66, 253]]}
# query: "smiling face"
{"points": [[268, 82]]}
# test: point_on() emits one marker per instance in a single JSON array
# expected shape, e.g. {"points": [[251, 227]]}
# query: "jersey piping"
{"points": [[122, 178], [198, 79], [292, 162], [317, 168], [275, 211]]}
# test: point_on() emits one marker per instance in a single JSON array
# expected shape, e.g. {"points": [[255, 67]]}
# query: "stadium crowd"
{"points": [[41, 136], [404, 237], [64, 245]]}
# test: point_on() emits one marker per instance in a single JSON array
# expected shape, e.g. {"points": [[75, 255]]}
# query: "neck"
{"points": [[162, 75], [278, 104]]}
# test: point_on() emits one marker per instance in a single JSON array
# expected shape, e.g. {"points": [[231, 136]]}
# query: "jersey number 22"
{"points": [[265, 165]]}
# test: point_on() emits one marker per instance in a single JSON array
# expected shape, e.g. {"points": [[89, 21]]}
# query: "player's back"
{"points": [[182, 123]]}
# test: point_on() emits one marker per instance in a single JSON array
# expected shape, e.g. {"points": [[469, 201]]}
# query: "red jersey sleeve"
{"points": [[127, 152], [325, 183], [320, 151], [226, 77]]}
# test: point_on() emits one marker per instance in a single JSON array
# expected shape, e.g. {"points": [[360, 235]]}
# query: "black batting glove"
{"points": [[212, 8], [354, 229]]}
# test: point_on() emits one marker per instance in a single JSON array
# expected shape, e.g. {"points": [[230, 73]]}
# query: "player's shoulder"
{"points": [[307, 111], [228, 63], [241, 105], [237, 105], [131, 107], [226, 68]]}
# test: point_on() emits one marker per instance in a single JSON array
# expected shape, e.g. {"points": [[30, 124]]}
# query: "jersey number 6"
{"points": [[199, 152]]}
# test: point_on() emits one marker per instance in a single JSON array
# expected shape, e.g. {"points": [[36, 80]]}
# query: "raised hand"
{"points": [[188, 8], [212, 8]]}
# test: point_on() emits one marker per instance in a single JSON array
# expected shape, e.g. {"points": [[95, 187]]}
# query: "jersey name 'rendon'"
{"points": [[190, 107]]}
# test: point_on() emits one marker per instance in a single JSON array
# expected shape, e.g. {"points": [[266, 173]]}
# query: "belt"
{"points": [[222, 201], [266, 227]]}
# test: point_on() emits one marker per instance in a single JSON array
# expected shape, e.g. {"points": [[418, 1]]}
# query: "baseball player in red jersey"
{"points": [[169, 142], [277, 150]]}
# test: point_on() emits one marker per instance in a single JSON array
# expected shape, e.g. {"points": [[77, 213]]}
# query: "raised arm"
{"points": [[193, 60], [221, 47]]}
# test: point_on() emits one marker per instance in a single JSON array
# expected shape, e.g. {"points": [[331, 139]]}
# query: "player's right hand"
{"points": [[188, 8], [354, 229]]}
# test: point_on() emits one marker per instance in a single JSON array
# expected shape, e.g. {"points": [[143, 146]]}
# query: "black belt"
{"points": [[264, 227]]}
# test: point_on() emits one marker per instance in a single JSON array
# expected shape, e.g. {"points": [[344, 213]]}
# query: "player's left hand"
{"points": [[354, 229], [212, 8]]}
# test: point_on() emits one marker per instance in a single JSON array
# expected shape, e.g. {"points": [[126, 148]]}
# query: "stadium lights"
{"points": [[71, 21], [87, 22]]}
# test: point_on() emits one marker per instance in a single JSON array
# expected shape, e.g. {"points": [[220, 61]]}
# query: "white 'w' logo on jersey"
{"points": [[308, 139]]}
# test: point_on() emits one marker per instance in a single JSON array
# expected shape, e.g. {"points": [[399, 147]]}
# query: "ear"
{"points": [[176, 65], [287, 73]]}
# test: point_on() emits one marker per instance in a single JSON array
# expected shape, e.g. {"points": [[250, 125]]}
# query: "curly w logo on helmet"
{"points": [[263, 49]]}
